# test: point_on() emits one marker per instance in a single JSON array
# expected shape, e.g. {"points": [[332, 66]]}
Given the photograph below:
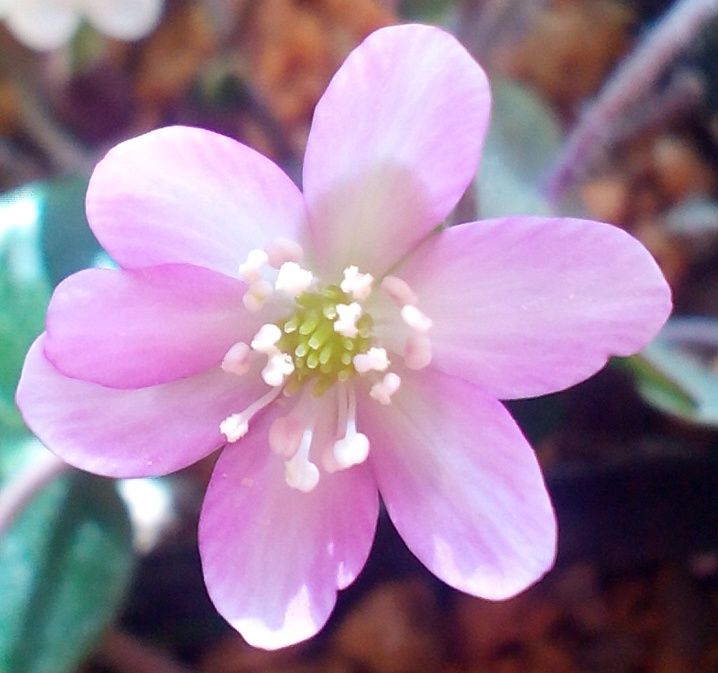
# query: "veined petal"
{"points": [[276, 582], [461, 484], [42, 24], [182, 194], [129, 433], [131, 329], [530, 305], [394, 143], [124, 19]]}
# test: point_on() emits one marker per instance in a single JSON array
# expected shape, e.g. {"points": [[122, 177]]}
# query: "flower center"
{"points": [[326, 339], [322, 337]]}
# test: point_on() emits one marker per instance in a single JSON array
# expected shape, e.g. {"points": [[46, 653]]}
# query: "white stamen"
{"points": [[374, 359], [278, 367], [398, 290], [282, 250], [417, 351], [357, 284], [265, 339], [285, 434], [353, 447], [384, 389], [236, 361], [293, 279], [252, 266], [234, 427], [256, 296], [299, 471], [417, 320], [348, 314], [351, 450]]}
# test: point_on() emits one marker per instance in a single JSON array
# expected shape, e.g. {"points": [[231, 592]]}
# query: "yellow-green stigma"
{"points": [[318, 350]]}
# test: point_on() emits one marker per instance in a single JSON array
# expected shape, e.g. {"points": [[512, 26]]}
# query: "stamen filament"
{"points": [[299, 471], [234, 427], [353, 448]]}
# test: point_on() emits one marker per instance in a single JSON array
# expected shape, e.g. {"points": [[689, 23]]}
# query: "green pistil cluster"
{"points": [[318, 352]]}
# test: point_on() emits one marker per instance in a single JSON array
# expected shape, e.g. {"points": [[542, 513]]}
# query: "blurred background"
{"points": [[606, 109]]}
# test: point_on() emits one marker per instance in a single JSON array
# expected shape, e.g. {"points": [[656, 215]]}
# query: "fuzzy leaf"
{"points": [[522, 142], [66, 562]]}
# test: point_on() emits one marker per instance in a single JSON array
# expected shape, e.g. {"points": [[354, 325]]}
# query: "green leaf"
{"points": [[428, 11], [67, 558], [676, 372], [523, 140], [44, 237], [657, 386], [24, 293], [66, 563]]}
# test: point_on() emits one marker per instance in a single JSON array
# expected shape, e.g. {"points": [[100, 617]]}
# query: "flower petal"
{"points": [[273, 557], [530, 305], [131, 329], [461, 484], [182, 194], [124, 19], [42, 24], [394, 143], [128, 433]]}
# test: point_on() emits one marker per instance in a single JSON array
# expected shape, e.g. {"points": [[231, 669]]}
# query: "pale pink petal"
{"points": [[42, 24], [529, 305], [461, 484], [130, 329], [182, 194], [394, 143], [129, 433], [124, 19], [273, 557]]}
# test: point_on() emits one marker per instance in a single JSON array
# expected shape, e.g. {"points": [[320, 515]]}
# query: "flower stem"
{"points": [[20, 489], [631, 82]]}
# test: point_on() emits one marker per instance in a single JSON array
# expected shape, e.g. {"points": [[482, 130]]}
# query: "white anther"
{"points": [[417, 320], [375, 359], [357, 284], [351, 450], [278, 367], [256, 296], [352, 447], [346, 323], [265, 339], [417, 351], [301, 474], [236, 361], [384, 389], [299, 471], [282, 250], [234, 427], [293, 279], [398, 290], [250, 269], [285, 435]]}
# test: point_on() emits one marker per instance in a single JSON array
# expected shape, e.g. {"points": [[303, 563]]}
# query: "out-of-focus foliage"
{"points": [[65, 566], [523, 139], [685, 354], [67, 558], [24, 293]]}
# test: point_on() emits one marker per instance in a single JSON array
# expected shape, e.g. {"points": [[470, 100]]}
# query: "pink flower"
{"points": [[333, 342]]}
